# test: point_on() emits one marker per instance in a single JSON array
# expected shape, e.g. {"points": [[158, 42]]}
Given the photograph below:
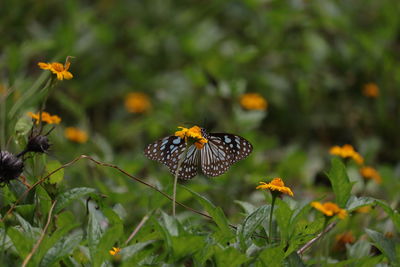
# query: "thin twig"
{"points": [[120, 170], [315, 239], [140, 225], [35, 247]]}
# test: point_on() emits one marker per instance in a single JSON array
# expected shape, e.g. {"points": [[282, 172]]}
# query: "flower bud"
{"points": [[39, 143], [11, 167]]}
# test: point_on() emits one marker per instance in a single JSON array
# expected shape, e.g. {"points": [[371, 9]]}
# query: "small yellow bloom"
{"points": [[364, 209], [59, 69], [46, 117], [347, 151], [371, 90], [114, 251], [193, 133], [329, 209], [137, 102], [253, 101], [276, 185], [76, 135], [370, 173]]}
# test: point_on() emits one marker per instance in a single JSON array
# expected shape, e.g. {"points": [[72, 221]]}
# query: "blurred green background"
{"points": [[310, 60]]}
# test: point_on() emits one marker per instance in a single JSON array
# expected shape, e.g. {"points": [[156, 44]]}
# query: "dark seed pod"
{"points": [[11, 167], [39, 143]]}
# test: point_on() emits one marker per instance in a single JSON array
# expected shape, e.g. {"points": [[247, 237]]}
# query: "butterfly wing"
{"points": [[221, 151], [239, 147], [169, 150]]}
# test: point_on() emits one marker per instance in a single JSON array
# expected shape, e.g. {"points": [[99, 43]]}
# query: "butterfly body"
{"points": [[213, 159]]}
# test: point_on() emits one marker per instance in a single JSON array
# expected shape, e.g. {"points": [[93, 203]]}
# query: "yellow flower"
{"points": [[329, 209], [59, 69], [76, 135], [137, 102], [193, 133], [364, 209], [370, 173], [276, 185], [371, 90], [253, 101], [114, 251], [347, 151], [46, 117]]}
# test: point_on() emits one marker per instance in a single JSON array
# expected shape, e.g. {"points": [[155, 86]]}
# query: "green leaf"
{"points": [[252, 221], [385, 245], [43, 200], [56, 177], [94, 234], [23, 244], [359, 249], [283, 213], [357, 202], [61, 249], [30, 231], [303, 232], [23, 125], [185, 246], [340, 182], [170, 223], [394, 214], [229, 257], [216, 213], [130, 251], [272, 256], [64, 199], [248, 207], [107, 241], [293, 260]]}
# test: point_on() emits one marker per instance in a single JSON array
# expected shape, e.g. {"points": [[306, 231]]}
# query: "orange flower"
{"points": [[370, 173], [46, 117], [343, 239], [76, 135], [371, 90], [193, 133], [329, 209], [347, 151], [137, 102], [253, 101], [276, 185], [59, 69], [114, 251]]}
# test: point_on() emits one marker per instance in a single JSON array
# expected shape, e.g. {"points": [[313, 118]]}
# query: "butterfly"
{"points": [[213, 159]]}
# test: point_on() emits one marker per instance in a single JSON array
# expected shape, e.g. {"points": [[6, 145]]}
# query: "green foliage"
{"points": [[195, 61]]}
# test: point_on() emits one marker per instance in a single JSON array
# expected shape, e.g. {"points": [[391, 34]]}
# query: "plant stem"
{"points": [[270, 216], [176, 179]]}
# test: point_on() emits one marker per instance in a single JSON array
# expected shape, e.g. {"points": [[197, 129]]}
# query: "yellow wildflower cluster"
{"points": [[137, 102], [192, 133], [347, 151], [59, 69], [253, 101], [76, 135], [371, 90], [329, 209], [276, 185], [370, 173], [46, 117]]}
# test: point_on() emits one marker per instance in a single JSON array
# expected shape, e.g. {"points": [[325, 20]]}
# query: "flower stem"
{"points": [[176, 179], [270, 216]]}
